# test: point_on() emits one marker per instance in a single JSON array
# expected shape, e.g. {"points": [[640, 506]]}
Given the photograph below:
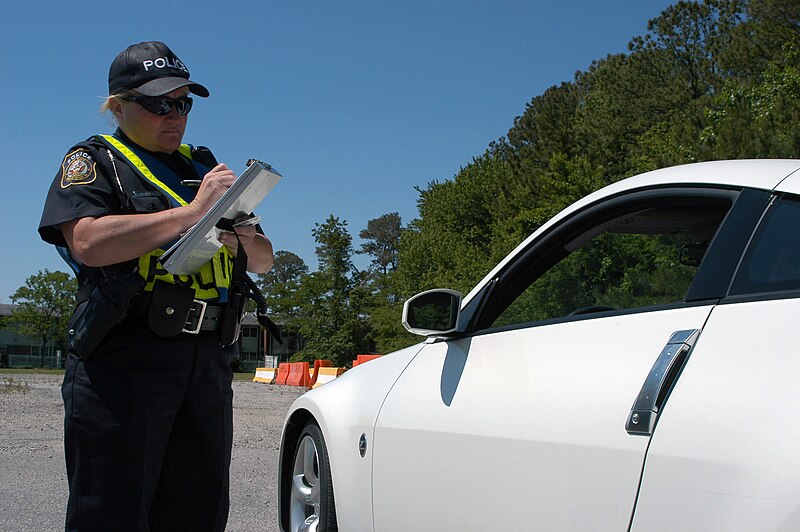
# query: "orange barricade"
{"points": [[318, 364], [360, 359], [298, 374], [283, 373]]}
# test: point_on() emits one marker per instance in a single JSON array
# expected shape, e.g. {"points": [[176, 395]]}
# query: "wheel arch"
{"points": [[344, 410], [291, 434]]}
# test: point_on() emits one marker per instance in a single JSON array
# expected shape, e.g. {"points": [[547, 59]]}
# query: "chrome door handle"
{"points": [[644, 413]]}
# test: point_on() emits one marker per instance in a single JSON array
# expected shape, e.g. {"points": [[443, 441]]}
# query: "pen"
{"points": [[191, 182], [249, 221]]}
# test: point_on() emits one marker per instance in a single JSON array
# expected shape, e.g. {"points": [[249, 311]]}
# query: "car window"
{"points": [[772, 261], [622, 258]]}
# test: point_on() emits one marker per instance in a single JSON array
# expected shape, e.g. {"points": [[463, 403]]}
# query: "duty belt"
{"points": [[202, 316]]}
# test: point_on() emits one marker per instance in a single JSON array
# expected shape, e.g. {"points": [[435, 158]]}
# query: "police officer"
{"points": [[147, 390]]}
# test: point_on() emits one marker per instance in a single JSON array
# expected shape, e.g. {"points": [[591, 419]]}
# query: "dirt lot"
{"points": [[33, 479]]}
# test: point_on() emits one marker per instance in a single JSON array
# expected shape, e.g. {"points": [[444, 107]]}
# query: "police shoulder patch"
{"points": [[78, 168]]}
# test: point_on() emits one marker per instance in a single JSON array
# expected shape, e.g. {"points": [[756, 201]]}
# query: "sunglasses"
{"points": [[161, 105]]}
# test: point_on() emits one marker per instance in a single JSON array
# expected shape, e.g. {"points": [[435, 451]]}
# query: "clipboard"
{"points": [[198, 245]]}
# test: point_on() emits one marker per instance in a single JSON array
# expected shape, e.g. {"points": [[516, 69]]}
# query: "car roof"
{"points": [[767, 174]]}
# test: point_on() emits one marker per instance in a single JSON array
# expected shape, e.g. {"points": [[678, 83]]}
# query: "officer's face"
{"points": [[149, 130]]}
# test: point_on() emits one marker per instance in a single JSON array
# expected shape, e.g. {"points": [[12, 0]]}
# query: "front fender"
{"points": [[344, 409]]}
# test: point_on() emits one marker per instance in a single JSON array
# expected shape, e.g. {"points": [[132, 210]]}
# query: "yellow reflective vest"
{"points": [[214, 278]]}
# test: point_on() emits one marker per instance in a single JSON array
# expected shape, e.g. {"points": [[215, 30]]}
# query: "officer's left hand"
{"points": [[247, 234]]}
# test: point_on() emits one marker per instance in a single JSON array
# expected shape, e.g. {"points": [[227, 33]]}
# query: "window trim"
{"points": [[541, 251], [760, 296], [597, 315]]}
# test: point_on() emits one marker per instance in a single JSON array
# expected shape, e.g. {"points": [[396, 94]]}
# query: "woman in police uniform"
{"points": [[147, 391]]}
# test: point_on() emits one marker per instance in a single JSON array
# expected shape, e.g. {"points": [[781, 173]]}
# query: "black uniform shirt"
{"points": [[86, 186], [83, 187]]}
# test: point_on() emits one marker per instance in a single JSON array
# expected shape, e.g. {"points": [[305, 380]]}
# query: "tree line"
{"points": [[713, 79]]}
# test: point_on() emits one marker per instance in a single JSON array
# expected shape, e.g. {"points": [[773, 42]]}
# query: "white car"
{"points": [[632, 365]]}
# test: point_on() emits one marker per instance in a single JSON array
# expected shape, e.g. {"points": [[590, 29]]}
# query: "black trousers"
{"points": [[148, 432]]}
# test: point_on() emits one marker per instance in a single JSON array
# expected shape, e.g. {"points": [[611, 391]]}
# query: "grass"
{"points": [[11, 386], [31, 370]]}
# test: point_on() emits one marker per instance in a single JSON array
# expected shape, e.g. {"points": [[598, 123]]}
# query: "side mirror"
{"points": [[432, 313]]}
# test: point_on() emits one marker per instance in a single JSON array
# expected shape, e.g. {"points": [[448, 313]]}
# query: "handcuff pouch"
{"points": [[169, 308]]}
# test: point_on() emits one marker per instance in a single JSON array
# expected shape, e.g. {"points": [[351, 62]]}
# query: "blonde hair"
{"points": [[106, 105]]}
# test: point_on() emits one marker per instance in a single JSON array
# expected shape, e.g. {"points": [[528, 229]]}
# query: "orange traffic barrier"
{"points": [[283, 373], [360, 359], [298, 374], [315, 374]]}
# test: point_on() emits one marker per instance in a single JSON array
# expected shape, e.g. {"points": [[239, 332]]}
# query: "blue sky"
{"points": [[354, 102]]}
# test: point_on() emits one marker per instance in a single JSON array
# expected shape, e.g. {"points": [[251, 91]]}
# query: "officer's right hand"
{"points": [[213, 186]]}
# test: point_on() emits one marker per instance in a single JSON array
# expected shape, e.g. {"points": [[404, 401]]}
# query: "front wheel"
{"points": [[311, 506]]}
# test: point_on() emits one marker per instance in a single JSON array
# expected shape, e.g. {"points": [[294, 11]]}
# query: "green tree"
{"points": [[451, 244], [546, 127], [335, 253], [387, 330], [758, 37], [45, 305], [334, 299], [281, 287], [385, 308], [760, 119], [281, 283], [382, 237]]}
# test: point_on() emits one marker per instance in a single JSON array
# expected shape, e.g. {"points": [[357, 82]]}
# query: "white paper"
{"points": [[200, 243]]}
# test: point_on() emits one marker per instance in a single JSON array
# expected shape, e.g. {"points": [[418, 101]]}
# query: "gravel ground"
{"points": [[34, 481]]}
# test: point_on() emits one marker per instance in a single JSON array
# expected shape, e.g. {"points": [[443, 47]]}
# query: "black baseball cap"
{"points": [[151, 69]]}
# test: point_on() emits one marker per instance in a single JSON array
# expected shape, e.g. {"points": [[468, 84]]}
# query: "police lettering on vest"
{"points": [[214, 278]]}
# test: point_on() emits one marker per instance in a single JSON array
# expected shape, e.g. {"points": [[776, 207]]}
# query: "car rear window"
{"points": [[772, 261]]}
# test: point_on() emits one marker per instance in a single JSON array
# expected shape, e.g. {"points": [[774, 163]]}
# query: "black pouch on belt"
{"points": [[106, 306], [237, 292], [232, 317], [169, 308]]}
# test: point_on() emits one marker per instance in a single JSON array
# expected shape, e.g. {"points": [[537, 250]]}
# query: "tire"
{"points": [[311, 503]]}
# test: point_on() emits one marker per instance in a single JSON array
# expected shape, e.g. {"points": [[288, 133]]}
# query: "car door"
{"points": [[521, 422], [727, 449]]}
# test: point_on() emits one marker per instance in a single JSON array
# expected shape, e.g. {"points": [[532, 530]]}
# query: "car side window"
{"points": [[637, 256], [772, 261]]}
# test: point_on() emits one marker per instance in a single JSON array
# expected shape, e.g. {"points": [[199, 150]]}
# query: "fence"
{"points": [[30, 357]]}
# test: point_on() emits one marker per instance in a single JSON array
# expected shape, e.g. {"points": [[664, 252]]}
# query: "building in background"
{"points": [[20, 351], [257, 348]]}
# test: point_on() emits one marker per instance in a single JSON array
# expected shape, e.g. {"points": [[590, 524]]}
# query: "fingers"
{"points": [[246, 232], [219, 176], [221, 168], [213, 186], [246, 236]]}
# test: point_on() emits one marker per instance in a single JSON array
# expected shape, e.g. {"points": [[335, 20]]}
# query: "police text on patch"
{"points": [[78, 168]]}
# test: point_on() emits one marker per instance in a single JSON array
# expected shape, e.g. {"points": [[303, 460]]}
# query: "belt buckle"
{"points": [[195, 318]]}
